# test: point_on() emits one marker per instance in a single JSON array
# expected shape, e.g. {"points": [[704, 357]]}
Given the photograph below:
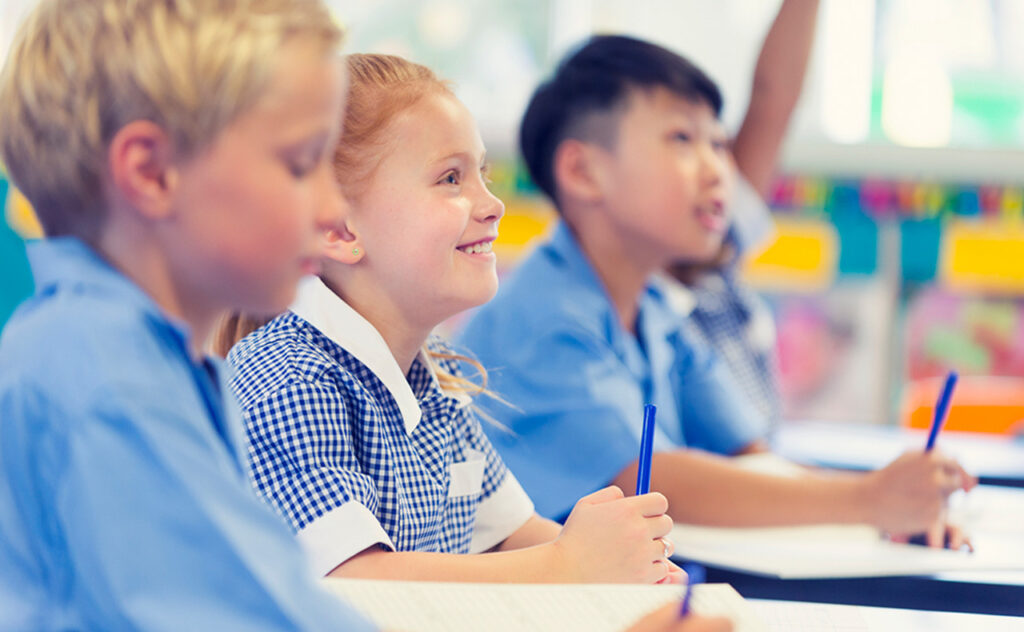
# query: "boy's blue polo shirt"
{"points": [[124, 502], [577, 381]]}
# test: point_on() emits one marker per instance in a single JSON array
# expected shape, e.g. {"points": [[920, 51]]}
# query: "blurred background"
{"points": [[899, 204]]}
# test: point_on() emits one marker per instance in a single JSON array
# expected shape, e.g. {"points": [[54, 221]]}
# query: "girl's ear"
{"points": [[343, 245]]}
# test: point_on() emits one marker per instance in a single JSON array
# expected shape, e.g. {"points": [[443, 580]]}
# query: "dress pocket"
{"points": [[467, 477]]}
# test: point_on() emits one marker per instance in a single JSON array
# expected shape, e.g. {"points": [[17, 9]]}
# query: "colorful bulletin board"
{"points": [[876, 286], [14, 270]]}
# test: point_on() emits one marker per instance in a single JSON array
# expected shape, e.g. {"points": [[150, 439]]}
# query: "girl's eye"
{"points": [[300, 170], [683, 137], [452, 177], [485, 173], [720, 145]]}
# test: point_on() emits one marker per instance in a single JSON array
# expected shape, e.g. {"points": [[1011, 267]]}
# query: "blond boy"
{"points": [[175, 154]]}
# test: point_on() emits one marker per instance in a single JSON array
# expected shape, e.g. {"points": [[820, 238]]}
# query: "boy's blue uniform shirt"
{"points": [[124, 502], [577, 381], [354, 453]]}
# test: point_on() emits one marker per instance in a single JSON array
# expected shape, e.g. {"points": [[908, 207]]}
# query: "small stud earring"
{"points": [[355, 252]]}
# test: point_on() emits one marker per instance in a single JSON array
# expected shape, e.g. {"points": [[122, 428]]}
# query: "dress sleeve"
{"points": [[304, 462]]}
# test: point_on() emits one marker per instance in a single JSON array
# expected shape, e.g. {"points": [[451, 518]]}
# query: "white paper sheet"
{"points": [[796, 616], [453, 607], [834, 551]]}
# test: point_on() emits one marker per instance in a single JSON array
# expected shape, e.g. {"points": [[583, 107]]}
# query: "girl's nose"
{"points": [[490, 209]]}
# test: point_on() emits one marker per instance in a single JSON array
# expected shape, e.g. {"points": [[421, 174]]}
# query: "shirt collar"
{"points": [[69, 262], [322, 308], [677, 296], [660, 305], [566, 247], [658, 318]]}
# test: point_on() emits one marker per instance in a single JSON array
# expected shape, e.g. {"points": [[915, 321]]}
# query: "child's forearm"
{"points": [[776, 87], [905, 496], [706, 489], [606, 538], [536, 564], [784, 56], [536, 530]]}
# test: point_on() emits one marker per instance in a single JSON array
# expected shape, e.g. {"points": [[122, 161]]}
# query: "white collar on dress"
{"points": [[319, 306], [680, 298]]}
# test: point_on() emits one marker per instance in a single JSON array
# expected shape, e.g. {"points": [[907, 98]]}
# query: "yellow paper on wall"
{"points": [[984, 256], [803, 257]]}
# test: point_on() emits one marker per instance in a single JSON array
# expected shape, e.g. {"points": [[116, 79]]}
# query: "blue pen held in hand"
{"points": [[643, 472], [694, 575], [941, 408]]}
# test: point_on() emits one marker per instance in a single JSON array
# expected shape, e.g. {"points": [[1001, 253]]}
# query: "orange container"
{"points": [[980, 404]]}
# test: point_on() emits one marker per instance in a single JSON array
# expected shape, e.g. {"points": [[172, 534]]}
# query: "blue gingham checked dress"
{"points": [[324, 431], [735, 322]]}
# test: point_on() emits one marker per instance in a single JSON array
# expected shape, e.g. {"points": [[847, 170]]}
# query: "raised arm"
{"points": [[778, 80]]}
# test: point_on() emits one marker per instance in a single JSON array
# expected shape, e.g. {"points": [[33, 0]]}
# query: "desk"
{"points": [[968, 595], [996, 460], [993, 515], [785, 616]]}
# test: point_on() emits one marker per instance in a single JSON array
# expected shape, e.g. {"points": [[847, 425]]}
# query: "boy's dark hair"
{"points": [[596, 79]]}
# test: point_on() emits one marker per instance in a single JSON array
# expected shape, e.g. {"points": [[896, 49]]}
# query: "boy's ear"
{"points": [[577, 174], [140, 158], [343, 245]]}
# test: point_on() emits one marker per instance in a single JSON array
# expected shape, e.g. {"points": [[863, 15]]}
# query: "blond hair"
{"points": [[380, 88], [80, 70]]}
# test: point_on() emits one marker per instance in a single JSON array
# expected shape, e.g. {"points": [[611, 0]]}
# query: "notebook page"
{"points": [[784, 616], [430, 606], [835, 551], [795, 616]]}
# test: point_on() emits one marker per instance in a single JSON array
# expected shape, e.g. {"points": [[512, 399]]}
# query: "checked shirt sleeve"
{"points": [[303, 461]]}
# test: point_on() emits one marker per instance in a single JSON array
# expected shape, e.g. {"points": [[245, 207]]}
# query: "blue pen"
{"points": [[643, 472], [941, 408], [695, 575]]}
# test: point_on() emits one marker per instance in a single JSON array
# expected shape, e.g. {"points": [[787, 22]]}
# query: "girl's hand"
{"points": [[675, 574], [610, 538]]}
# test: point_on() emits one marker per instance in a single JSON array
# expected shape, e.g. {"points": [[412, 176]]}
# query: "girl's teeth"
{"points": [[478, 248]]}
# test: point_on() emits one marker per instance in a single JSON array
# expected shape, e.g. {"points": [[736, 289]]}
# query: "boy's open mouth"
{"points": [[713, 218]]}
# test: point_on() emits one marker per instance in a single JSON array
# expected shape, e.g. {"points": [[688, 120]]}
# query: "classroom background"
{"points": [[899, 205]]}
